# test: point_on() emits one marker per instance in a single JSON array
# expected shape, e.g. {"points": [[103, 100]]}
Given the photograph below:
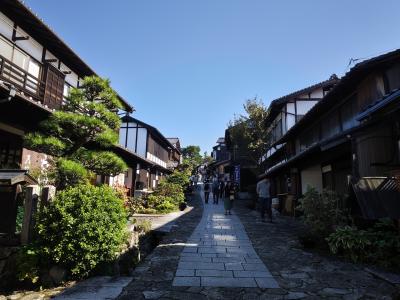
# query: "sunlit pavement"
{"points": [[220, 254]]}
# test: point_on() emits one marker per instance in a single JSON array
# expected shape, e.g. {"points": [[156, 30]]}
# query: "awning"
{"points": [[378, 197], [12, 177]]}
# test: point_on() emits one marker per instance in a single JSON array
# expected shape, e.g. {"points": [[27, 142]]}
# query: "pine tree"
{"points": [[79, 136]]}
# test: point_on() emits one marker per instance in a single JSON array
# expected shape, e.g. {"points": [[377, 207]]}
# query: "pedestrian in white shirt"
{"points": [[264, 196]]}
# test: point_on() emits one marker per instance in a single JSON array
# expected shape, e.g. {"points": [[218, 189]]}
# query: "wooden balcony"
{"points": [[30, 85], [48, 90]]}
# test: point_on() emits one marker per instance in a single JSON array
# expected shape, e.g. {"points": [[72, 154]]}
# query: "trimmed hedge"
{"points": [[84, 226]]}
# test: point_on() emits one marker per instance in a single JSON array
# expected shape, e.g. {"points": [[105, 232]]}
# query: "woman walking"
{"points": [[229, 197], [215, 191], [206, 191], [221, 189]]}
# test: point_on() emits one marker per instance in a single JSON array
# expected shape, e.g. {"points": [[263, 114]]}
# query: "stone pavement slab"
{"points": [[100, 287], [221, 255]]}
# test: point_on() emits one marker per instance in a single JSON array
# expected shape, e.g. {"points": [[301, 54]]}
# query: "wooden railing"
{"points": [[25, 82]]}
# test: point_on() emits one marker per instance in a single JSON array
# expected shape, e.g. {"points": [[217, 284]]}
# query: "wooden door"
{"points": [[53, 95]]}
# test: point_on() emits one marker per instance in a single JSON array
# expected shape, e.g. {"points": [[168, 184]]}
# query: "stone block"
{"points": [[228, 282], [267, 283], [184, 273], [214, 273], [260, 274], [186, 281], [255, 267], [234, 266]]}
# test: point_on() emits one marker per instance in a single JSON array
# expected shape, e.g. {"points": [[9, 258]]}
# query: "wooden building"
{"points": [[284, 113], [175, 155], [221, 166], [349, 141], [37, 69], [158, 154]]}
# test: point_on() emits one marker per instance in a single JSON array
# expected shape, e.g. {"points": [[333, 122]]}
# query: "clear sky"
{"points": [[188, 66]]}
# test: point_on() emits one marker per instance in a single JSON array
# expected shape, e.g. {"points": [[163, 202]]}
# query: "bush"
{"points": [[143, 226], [167, 198], [377, 245], [83, 226], [28, 263], [322, 212]]}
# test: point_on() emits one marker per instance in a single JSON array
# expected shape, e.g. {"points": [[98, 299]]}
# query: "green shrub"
{"points": [[377, 245], [83, 226], [179, 177], [166, 198], [349, 240], [143, 226], [322, 212], [172, 190]]}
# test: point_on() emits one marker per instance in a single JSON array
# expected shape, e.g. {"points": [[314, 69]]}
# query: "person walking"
{"points": [[206, 191], [229, 197], [264, 196], [221, 189], [215, 191]]}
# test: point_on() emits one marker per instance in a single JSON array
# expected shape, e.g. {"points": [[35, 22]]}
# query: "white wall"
{"points": [[311, 176], [304, 106], [50, 55], [142, 142], [290, 117], [71, 78], [31, 46], [318, 93], [6, 26]]}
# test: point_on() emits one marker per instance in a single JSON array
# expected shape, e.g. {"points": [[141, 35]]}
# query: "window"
{"points": [[309, 138]]}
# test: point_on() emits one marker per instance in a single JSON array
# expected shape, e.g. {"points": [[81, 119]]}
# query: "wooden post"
{"points": [[48, 193], [30, 207]]}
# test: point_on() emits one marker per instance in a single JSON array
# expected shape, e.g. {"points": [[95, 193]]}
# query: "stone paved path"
{"points": [[300, 274], [220, 254]]}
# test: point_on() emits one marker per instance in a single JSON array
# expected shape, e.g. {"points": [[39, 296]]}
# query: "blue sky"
{"points": [[188, 66]]}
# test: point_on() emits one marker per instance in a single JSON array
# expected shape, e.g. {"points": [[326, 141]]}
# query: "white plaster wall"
{"points": [[122, 136], [318, 93], [304, 106], [142, 141], [5, 48], [72, 78], [311, 176], [290, 117], [6, 26], [117, 180], [131, 139], [50, 55], [31, 46]]}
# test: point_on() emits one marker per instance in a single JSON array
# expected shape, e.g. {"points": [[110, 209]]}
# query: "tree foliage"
{"points": [[248, 133], [191, 156], [207, 159], [83, 130]]}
